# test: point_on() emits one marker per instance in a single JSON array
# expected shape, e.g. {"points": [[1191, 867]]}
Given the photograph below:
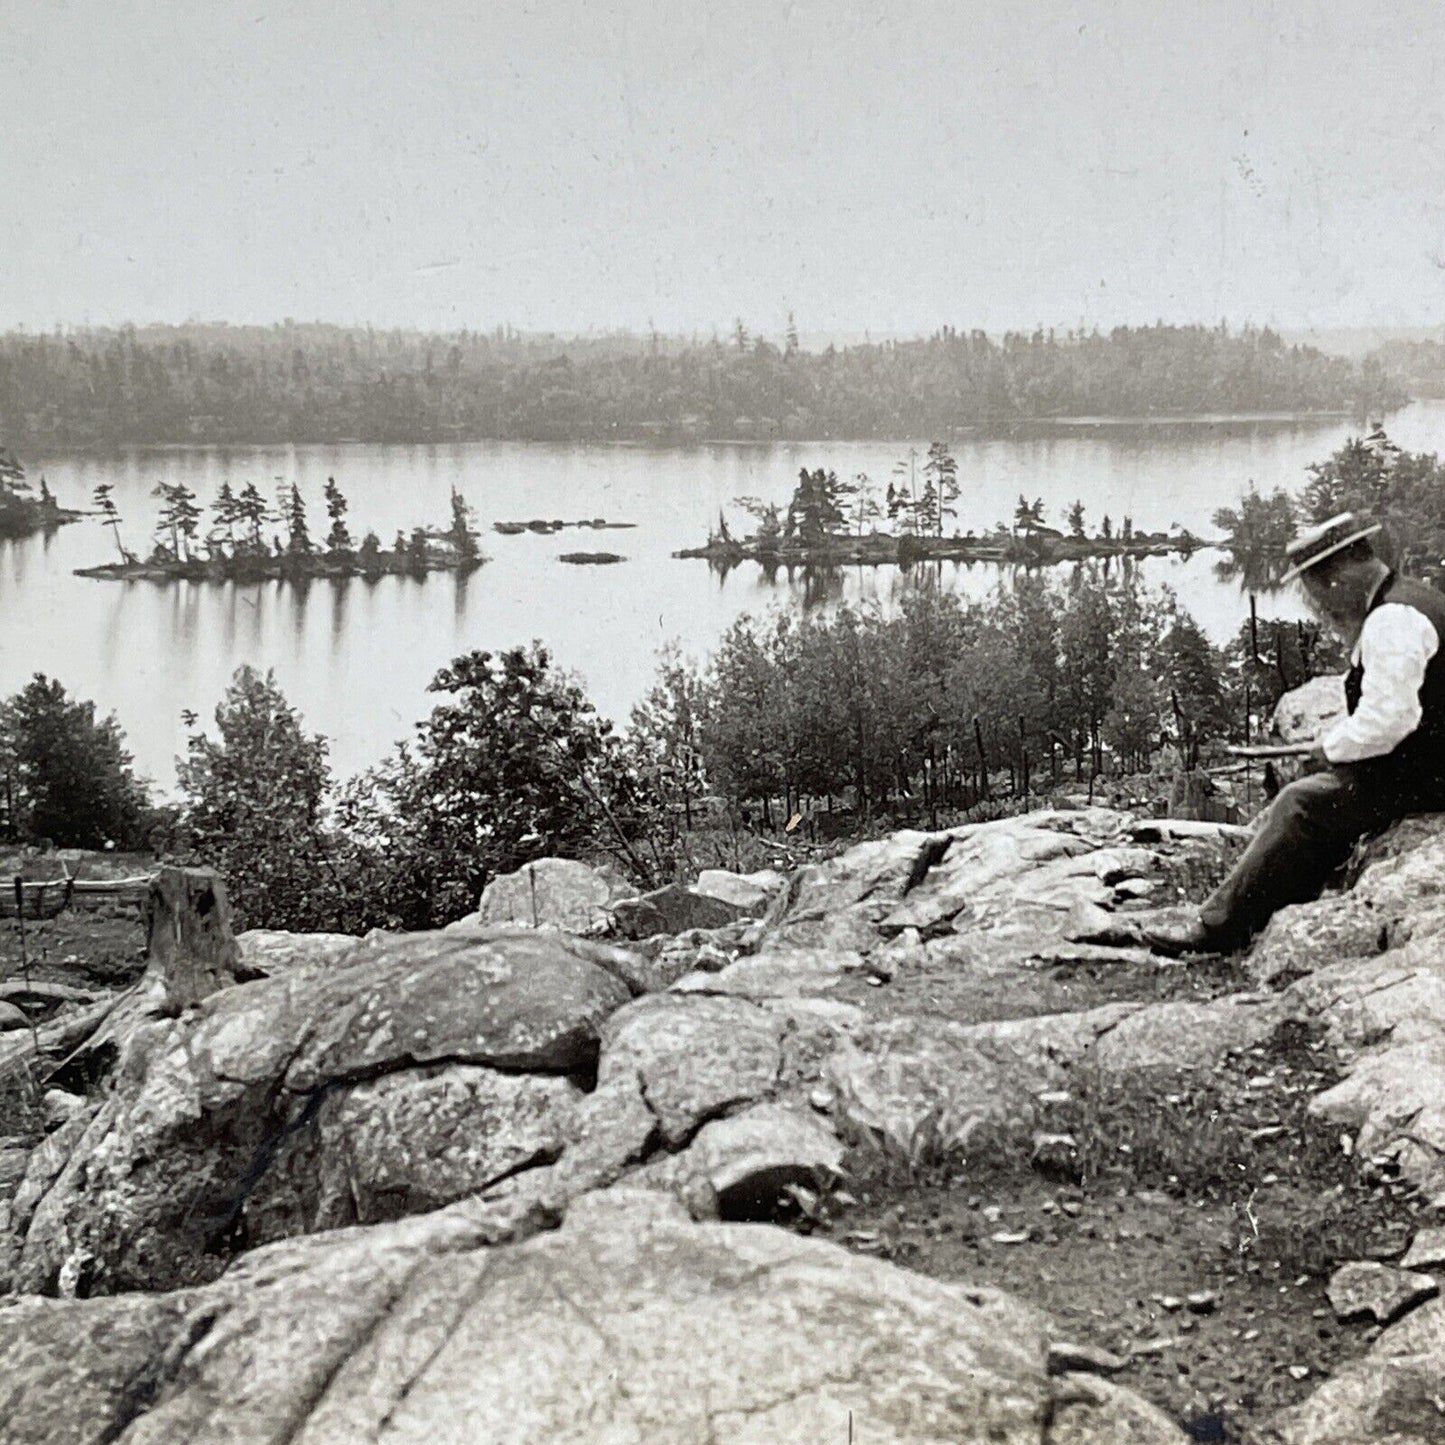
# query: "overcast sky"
{"points": [[574, 164]]}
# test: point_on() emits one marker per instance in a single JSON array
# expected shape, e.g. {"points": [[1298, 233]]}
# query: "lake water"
{"points": [[356, 656]]}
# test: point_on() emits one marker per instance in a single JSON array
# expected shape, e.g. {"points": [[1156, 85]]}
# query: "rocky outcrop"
{"points": [[629, 1323], [322, 1071], [373, 1133]]}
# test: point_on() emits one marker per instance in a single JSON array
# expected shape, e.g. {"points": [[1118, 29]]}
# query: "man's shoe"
{"points": [[1174, 938]]}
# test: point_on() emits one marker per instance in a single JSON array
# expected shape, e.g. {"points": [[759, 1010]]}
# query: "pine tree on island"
{"points": [[338, 539]]}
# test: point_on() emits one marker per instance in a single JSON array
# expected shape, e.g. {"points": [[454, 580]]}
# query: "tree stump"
{"points": [[188, 935]]}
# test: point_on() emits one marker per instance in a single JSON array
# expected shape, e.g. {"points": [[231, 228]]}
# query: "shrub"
{"points": [[66, 774]]}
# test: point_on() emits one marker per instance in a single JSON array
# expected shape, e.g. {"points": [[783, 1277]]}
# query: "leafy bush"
{"points": [[515, 766], [254, 798], [65, 774]]}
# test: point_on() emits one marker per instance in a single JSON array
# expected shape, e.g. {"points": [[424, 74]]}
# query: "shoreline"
{"points": [[279, 569], [886, 550], [984, 429]]}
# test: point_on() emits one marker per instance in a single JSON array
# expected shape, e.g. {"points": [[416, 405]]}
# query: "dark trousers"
{"points": [[1307, 833]]}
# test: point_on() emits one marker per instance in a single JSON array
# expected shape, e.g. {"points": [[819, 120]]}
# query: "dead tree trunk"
{"points": [[188, 935]]}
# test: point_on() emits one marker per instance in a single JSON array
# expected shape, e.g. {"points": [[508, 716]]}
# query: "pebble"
{"points": [[1066, 1356], [1202, 1301], [1299, 1372], [58, 1105], [1155, 1346], [1072, 1208], [1006, 1237], [1170, 1302]]}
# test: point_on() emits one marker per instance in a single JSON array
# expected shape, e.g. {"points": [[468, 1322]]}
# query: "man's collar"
{"points": [[1378, 588]]}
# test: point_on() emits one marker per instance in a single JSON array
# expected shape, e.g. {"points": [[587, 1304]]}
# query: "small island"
{"points": [[24, 512], [251, 541], [832, 523], [591, 559], [545, 527]]}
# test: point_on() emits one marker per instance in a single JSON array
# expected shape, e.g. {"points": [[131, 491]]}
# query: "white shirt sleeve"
{"points": [[1396, 645]]}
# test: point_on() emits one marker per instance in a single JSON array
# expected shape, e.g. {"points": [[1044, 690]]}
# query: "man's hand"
{"points": [[1316, 758]]}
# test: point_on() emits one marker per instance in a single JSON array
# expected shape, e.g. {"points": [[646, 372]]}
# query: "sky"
{"points": [[578, 165]]}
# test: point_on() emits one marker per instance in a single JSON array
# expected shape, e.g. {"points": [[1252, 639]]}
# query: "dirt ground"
{"points": [[1221, 1189], [98, 947]]}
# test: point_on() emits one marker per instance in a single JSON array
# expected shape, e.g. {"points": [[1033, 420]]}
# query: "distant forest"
{"points": [[1419, 365], [317, 383]]}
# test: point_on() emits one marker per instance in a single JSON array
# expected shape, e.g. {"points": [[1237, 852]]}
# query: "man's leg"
{"points": [[1306, 834]]}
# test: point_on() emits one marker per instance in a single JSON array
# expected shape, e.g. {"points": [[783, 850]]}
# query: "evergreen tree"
{"points": [[461, 534], [110, 515], [252, 512], [226, 512], [942, 472], [1075, 520], [298, 540], [178, 517], [338, 538]]}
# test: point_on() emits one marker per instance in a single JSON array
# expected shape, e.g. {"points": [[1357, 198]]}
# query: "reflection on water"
{"points": [[355, 655]]}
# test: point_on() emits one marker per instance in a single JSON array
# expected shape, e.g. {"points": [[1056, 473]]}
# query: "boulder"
{"points": [[749, 891], [269, 951], [1390, 1394], [793, 973], [12, 1017], [629, 1323], [1393, 1100], [673, 909], [694, 1057], [737, 1167], [554, 893], [155, 1192], [1427, 1249], [1185, 1034], [1367, 1287], [406, 1143], [923, 1088], [1306, 936]]}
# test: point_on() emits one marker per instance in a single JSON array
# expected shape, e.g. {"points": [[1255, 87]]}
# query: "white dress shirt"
{"points": [[1396, 644]]}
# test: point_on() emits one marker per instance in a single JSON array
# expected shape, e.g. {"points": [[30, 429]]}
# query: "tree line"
{"points": [[1369, 475], [313, 383], [911, 715]]}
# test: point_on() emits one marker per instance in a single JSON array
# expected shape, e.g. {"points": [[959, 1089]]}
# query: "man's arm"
{"points": [[1396, 645]]}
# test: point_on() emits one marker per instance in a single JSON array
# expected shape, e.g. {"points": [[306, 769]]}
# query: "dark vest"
{"points": [[1425, 747]]}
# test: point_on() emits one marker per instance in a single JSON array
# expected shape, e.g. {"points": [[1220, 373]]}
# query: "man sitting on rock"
{"points": [[1385, 759]]}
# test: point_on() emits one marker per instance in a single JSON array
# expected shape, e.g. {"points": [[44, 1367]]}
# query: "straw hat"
{"points": [[1312, 547]]}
